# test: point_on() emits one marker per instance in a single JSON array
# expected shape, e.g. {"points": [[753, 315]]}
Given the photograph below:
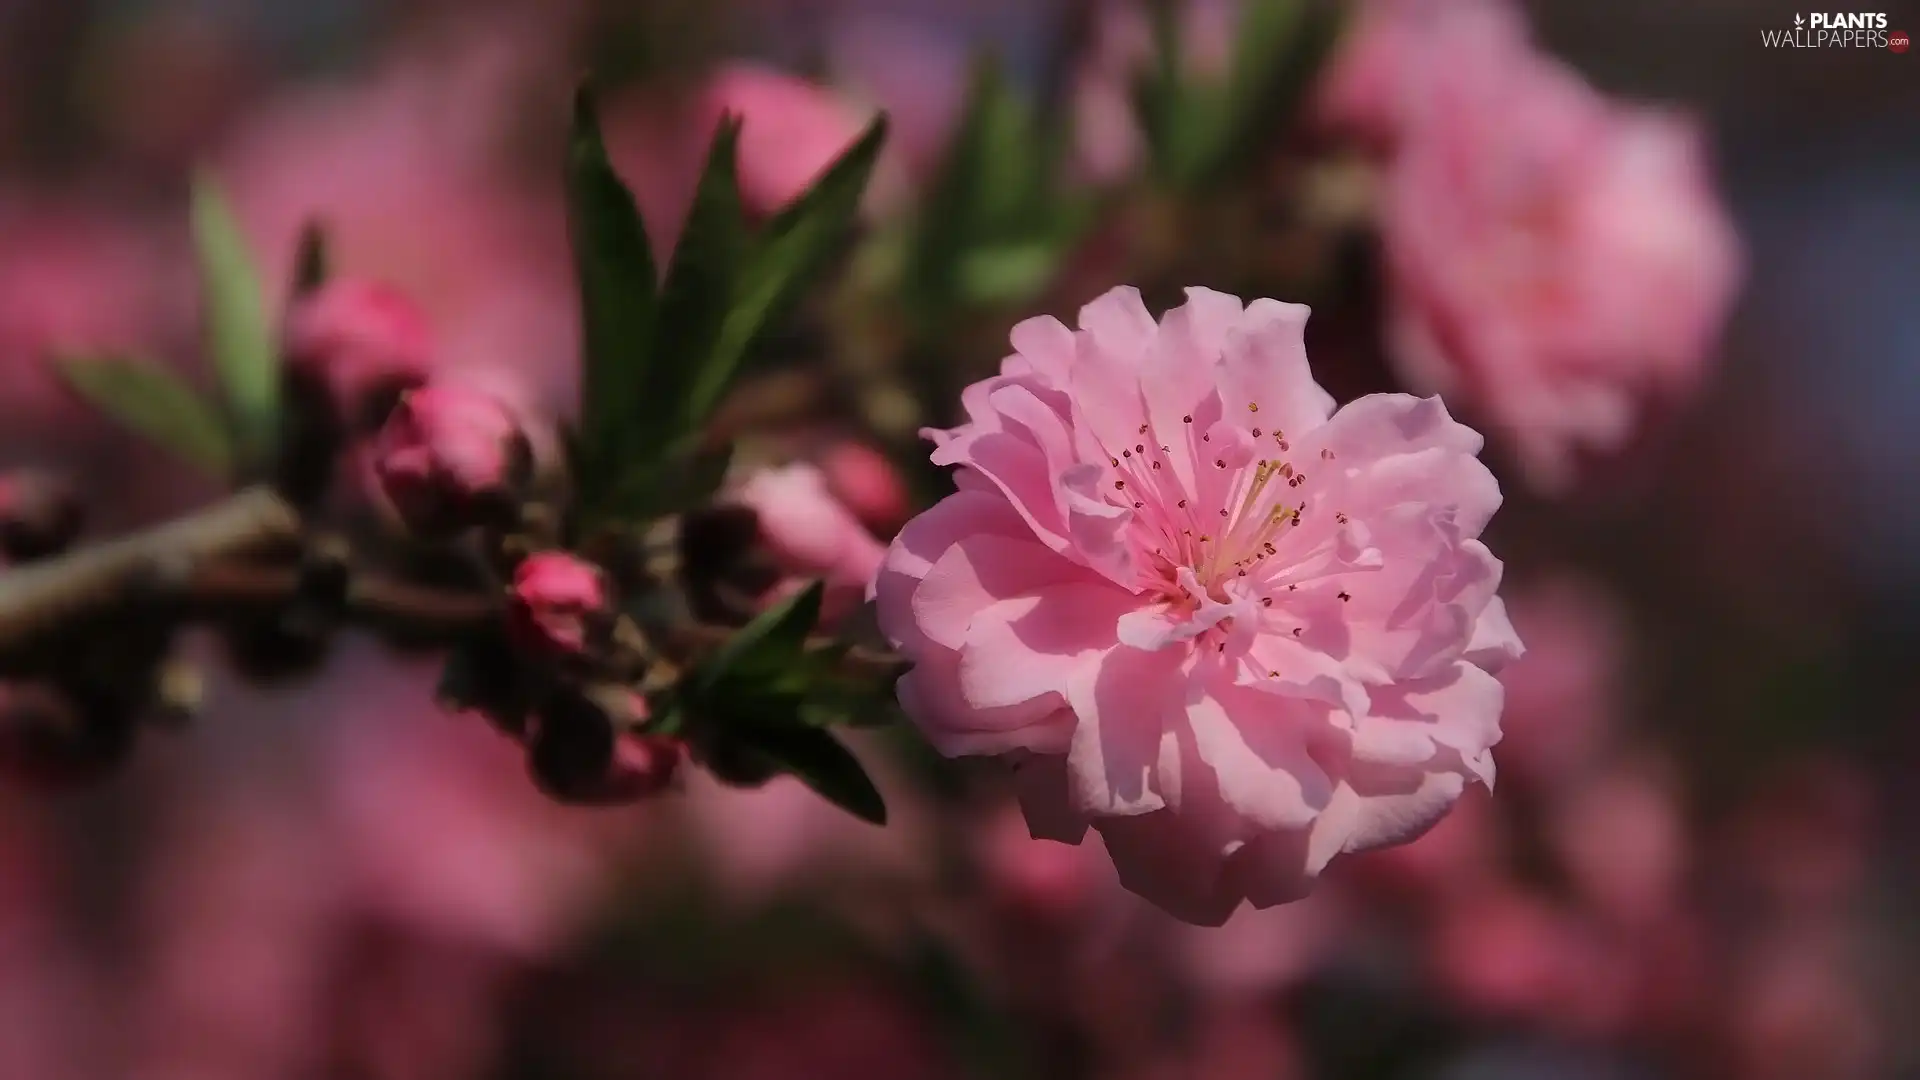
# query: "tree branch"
{"points": [[41, 599]]}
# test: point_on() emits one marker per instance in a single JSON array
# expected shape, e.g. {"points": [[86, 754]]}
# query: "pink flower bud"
{"points": [[583, 750], [359, 339], [643, 765], [555, 597], [867, 483], [449, 457], [811, 533]]}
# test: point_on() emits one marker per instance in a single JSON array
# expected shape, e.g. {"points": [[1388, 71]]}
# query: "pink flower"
{"points": [[1564, 697], [1367, 85], [1555, 260], [448, 456], [358, 338], [1234, 630], [810, 533], [554, 596], [791, 131], [867, 483]]}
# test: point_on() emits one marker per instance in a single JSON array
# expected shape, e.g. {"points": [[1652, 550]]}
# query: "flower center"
{"points": [[1226, 511]]}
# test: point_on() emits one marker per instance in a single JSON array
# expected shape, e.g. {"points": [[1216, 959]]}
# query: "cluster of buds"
{"points": [[547, 675]]}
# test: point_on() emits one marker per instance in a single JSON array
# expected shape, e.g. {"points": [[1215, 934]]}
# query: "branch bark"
{"points": [[39, 600]]}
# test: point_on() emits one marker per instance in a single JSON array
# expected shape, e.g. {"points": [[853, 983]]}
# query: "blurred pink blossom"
{"points": [[1366, 87], [811, 533], [1557, 261], [45, 1003], [867, 483], [406, 169], [1564, 698], [1234, 667], [440, 832], [760, 843], [1509, 954], [1806, 845], [791, 130], [915, 74], [1796, 1010], [75, 281], [1621, 839], [1037, 879]]}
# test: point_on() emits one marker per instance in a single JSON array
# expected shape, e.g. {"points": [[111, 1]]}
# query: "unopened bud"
{"points": [[582, 750], [451, 457], [557, 601], [867, 483]]}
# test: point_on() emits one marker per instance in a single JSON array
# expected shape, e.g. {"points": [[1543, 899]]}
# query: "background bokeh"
{"points": [[1701, 861]]}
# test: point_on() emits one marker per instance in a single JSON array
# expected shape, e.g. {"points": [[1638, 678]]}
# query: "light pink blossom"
{"points": [[1367, 86], [1236, 631], [811, 534], [1556, 260], [867, 483]]}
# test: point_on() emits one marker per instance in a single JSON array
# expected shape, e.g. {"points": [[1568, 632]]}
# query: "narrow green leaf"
{"points": [[775, 637], [950, 219], [699, 292], [239, 335], [785, 258], [821, 762], [618, 282], [154, 402], [311, 261]]}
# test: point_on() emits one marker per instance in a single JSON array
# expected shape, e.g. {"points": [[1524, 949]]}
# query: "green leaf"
{"points": [[821, 762], [699, 293], [618, 284], [239, 335], [311, 261], [951, 218], [996, 221], [1008, 273], [762, 647], [154, 402], [1197, 128], [1281, 46], [785, 258]]}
